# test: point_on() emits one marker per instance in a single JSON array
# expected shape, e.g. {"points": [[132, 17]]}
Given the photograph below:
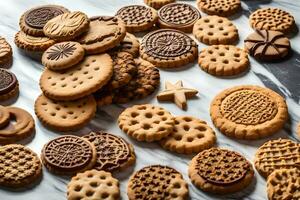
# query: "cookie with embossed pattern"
{"points": [[157, 4], [223, 8], [5, 53], [130, 44], [9, 85]]}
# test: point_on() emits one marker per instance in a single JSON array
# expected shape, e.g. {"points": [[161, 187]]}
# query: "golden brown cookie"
{"points": [[65, 115], [81, 80], [277, 154], [190, 135], [19, 166], [129, 44], [284, 184], [298, 129], [146, 122], [215, 30], [220, 171], [223, 8], [157, 182], [248, 112], [5, 53], [4, 116], [157, 4], [92, 185], [9, 85], [223, 60]]}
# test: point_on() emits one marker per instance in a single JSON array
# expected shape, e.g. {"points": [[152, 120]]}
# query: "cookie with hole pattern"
{"points": [[223, 60], [81, 80], [220, 171], [277, 154], [93, 184], [146, 122], [190, 135], [9, 85], [4, 116], [248, 112], [19, 166], [130, 44], [215, 30], [157, 182], [223, 8], [65, 115], [157, 4], [5, 53]]}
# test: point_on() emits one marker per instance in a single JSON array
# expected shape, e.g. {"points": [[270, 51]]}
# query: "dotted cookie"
{"points": [[220, 171], [9, 85], [223, 8], [157, 182], [5, 53], [157, 4], [248, 112], [130, 44], [215, 30], [146, 122], [223, 60]]}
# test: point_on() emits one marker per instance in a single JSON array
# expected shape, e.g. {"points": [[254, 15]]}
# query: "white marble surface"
{"points": [[283, 77]]}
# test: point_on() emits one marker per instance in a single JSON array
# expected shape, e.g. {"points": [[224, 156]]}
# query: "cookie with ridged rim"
{"points": [[9, 85], [223, 8], [129, 44], [5, 53], [157, 4]]}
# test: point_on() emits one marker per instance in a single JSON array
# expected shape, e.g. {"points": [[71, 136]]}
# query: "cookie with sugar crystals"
{"points": [[223, 8], [9, 85], [157, 4]]}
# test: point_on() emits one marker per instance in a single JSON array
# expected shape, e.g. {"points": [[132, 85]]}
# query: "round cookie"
{"points": [[33, 21], [81, 80], [167, 48], [19, 166], [9, 85], [4, 116], [179, 16], [223, 60], [273, 19], [92, 185], [157, 182], [63, 55], [248, 112], [284, 184], [113, 152], [67, 26], [267, 45], [5, 53], [137, 18], [68, 155], [190, 135], [130, 44], [104, 33], [146, 122], [277, 154], [157, 4], [223, 8], [220, 171], [65, 115]]}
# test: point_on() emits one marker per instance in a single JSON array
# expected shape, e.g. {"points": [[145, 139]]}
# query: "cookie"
{"points": [[146, 122], [104, 33], [103, 97], [248, 112], [179, 16], [4, 116], [113, 152], [68, 155], [9, 85], [33, 21], [157, 182], [67, 26], [5, 53], [284, 184], [81, 80], [190, 135], [93, 184], [157, 4], [223, 60], [277, 154], [223, 8], [215, 30], [63, 55], [273, 19], [19, 166], [130, 44], [137, 18], [220, 171], [168, 48], [65, 115], [298, 129], [267, 45]]}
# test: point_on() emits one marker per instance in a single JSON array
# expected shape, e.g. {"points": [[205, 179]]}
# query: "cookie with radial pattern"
{"points": [[33, 21], [157, 4], [267, 45], [4, 116], [137, 18], [223, 8], [248, 112], [178, 16], [130, 44], [9, 85], [167, 48], [5, 53]]}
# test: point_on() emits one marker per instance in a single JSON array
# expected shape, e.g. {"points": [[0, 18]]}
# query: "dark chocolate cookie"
{"points": [[9, 86]]}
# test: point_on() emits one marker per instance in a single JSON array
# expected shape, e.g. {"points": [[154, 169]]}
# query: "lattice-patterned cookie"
{"points": [[219, 7]]}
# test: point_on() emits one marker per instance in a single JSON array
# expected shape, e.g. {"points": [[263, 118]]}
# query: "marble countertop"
{"points": [[283, 77]]}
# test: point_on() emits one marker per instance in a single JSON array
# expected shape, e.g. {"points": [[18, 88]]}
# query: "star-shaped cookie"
{"points": [[177, 93]]}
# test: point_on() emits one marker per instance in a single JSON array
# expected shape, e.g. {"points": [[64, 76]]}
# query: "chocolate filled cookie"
{"points": [[9, 86]]}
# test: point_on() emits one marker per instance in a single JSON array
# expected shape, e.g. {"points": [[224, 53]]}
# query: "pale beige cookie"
{"points": [[190, 135], [223, 8], [81, 80], [146, 122], [248, 112], [65, 115], [93, 185], [130, 44], [284, 184], [277, 154], [157, 4], [215, 30], [223, 60]]}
